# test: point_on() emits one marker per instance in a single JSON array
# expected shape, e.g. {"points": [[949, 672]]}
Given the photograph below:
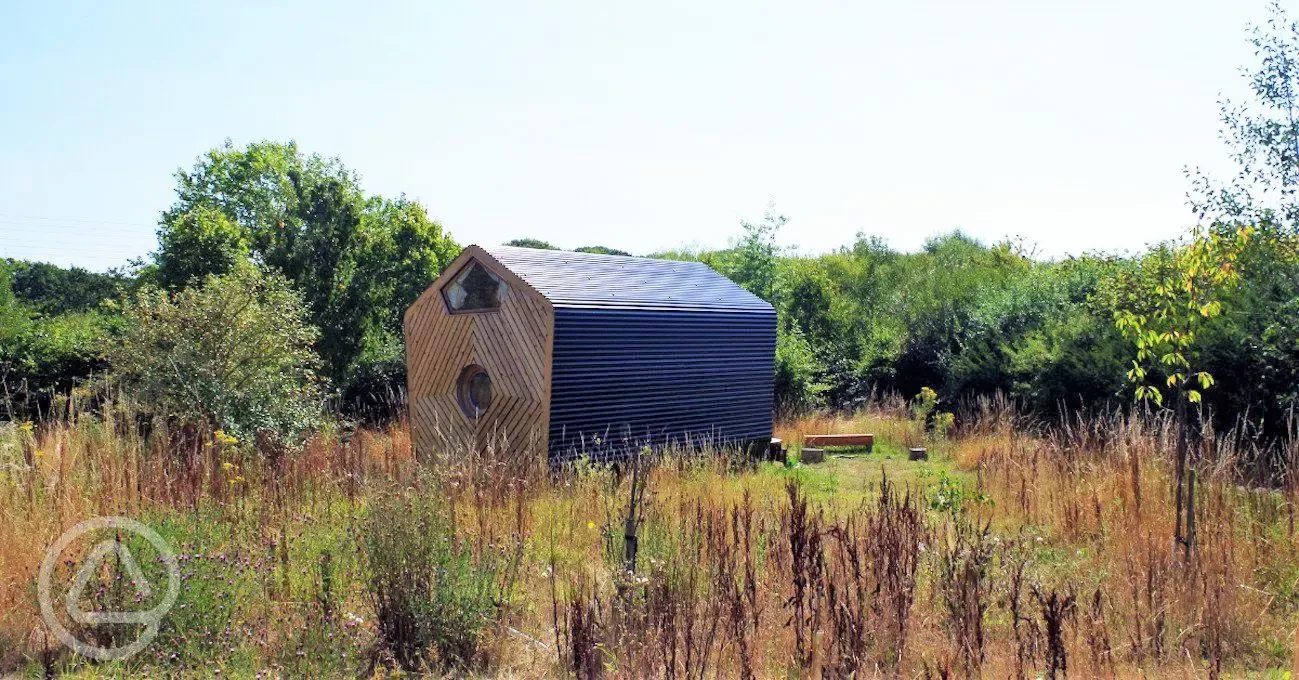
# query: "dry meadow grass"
{"points": [[1014, 552]]}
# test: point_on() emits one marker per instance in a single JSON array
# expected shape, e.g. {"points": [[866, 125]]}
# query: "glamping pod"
{"points": [[576, 354]]}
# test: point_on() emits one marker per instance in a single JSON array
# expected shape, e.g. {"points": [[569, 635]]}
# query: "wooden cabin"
{"points": [[575, 354]]}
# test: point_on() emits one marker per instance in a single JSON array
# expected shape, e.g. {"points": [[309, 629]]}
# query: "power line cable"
{"points": [[73, 247], [84, 228], [73, 219]]}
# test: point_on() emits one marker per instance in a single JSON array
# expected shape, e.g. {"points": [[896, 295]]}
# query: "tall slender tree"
{"points": [[1262, 134]]}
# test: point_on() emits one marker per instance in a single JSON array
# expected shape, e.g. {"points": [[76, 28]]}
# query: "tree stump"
{"points": [[776, 450]]}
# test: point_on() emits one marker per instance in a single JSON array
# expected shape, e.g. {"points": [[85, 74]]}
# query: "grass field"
{"points": [[1012, 552]]}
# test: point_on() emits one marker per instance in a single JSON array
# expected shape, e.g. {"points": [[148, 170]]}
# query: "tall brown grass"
{"points": [[1056, 557]]}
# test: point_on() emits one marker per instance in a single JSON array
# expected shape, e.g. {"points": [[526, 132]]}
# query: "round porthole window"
{"points": [[474, 391]]}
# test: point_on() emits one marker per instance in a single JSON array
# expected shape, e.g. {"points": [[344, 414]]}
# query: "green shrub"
{"points": [[798, 388], [434, 597], [923, 404], [234, 354], [198, 243], [44, 356], [948, 494], [51, 290], [375, 391]]}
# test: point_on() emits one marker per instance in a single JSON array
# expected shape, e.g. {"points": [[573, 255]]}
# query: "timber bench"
{"points": [[866, 440]]}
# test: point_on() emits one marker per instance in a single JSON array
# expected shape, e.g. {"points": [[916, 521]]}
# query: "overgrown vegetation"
{"points": [[434, 599], [1008, 553]]}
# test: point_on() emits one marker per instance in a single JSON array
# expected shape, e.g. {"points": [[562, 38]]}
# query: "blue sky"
{"points": [[635, 125]]}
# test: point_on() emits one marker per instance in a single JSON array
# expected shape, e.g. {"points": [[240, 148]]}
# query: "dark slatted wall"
{"points": [[623, 378]]}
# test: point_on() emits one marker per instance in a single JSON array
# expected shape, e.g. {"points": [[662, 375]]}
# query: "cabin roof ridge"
{"points": [[593, 280]]}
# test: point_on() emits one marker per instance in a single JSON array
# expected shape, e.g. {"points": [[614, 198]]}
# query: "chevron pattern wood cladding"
{"points": [[512, 344]]}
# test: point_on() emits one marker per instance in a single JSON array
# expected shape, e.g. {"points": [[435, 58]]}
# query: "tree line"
{"points": [[1212, 317], [968, 319]]}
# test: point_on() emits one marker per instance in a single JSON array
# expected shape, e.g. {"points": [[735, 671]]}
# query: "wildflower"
{"points": [[590, 525]]}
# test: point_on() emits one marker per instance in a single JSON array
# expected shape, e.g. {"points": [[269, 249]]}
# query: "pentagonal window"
{"points": [[474, 289]]}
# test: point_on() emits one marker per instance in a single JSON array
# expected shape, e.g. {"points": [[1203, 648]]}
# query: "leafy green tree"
{"points": [[358, 261], [1263, 137], [405, 251], [199, 243], [43, 355], [1039, 336], [1056, 345], [601, 250], [538, 244], [13, 325], [1161, 309], [682, 255], [534, 243], [13, 317], [866, 335], [233, 354], [324, 259], [50, 290], [57, 354], [808, 304], [754, 257], [937, 301], [259, 187], [798, 383], [1246, 348], [1164, 303], [1279, 372]]}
